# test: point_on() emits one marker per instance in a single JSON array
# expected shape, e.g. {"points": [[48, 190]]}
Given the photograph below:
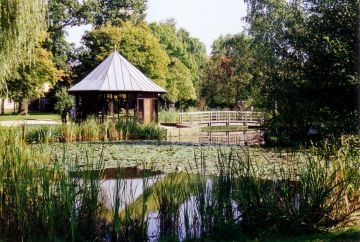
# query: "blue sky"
{"points": [[204, 19]]}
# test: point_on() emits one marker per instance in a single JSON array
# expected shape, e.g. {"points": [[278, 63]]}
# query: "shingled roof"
{"points": [[116, 74]]}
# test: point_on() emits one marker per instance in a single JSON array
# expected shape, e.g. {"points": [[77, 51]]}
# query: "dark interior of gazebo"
{"points": [[142, 107]]}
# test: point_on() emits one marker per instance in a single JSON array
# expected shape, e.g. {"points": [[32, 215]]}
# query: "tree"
{"points": [[63, 14], [174, 47], [228, 75], [179, 84], [135, 43], [20, 23], [305, 52], [189, 51], [114, 12], [32, 79]]}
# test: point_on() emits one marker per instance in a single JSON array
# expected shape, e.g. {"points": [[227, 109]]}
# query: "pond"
{"points": [[176, 204], [157, 155], [127, 186], [221, 135]]}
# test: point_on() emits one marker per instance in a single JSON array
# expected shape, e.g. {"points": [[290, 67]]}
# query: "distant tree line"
{"points": [[296, 61]]}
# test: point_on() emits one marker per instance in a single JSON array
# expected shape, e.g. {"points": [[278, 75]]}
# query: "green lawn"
{"points": [[351, 234], [31, 116]]}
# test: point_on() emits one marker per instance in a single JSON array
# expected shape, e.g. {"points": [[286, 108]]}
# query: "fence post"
{"points": [[246, 119]]}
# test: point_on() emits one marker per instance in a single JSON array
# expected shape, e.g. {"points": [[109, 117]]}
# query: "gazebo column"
{"points": [[103, 107]]}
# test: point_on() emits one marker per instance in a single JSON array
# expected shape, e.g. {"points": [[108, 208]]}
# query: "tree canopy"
{"points": [[306, 54], [31, 79], [228, 75], [20, 23], [188, 56], [115, 12], [135, 43], [141, 47]]}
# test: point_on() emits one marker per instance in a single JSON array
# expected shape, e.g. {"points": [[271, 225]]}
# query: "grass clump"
{"points": [[168, 116], [93, 130]]}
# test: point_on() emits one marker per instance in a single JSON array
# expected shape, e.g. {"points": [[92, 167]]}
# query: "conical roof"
{"points": [[116, 73]]}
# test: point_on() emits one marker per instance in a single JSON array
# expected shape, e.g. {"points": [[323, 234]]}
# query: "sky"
{"points": [[204, 19]]}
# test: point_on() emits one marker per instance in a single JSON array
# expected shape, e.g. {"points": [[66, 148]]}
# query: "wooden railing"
{"points": [[247, 118]]}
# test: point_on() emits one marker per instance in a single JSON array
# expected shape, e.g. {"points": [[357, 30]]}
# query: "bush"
{"points": [[134, 130], [63, 100]]}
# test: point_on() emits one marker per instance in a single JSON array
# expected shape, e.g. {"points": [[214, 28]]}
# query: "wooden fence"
{"points": [[246, 118]]}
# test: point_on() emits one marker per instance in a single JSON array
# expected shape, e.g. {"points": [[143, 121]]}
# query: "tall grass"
{"points": [[40, 200], [92, 130], [167, 116]]}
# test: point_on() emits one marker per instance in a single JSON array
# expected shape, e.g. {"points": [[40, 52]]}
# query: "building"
{"points": [[117, 89]]}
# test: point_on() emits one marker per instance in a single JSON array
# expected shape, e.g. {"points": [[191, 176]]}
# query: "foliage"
{"points": [[62, 14], [183, 49], [70, 13], [229, 73], [167, 34], [135, 43], [63, 100], [115, 12], [179, 83], [30, 79], [20, 23], [305, 52]]}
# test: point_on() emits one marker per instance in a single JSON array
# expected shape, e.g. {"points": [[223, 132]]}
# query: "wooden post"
{"points": [[246, 118]]}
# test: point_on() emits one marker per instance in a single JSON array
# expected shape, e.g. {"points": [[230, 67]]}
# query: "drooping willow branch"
{"points": [[20, 23]]}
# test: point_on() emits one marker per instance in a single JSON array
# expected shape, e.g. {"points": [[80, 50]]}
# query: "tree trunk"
{"points": [[2, 107], [23, 107]]}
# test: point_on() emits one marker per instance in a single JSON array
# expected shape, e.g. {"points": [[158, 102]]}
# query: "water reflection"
{"points": [[245, 137]]}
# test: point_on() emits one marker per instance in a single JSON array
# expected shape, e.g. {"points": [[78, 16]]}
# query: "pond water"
{"points": [[131, 186], [127, 184]]}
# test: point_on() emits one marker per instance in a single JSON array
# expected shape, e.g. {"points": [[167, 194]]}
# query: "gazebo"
{"points": [[117, 89]]}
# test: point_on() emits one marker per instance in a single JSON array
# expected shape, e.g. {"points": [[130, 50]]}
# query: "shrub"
{"points": [[63, 100]]}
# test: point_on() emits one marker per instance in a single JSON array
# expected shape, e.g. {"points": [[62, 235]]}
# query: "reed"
{"points": [[46, 198], [90, 130]]}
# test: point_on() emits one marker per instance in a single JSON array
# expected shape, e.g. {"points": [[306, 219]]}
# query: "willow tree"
{"points": [[20, 23]]}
